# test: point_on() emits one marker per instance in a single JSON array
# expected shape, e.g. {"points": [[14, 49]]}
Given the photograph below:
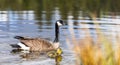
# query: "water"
{"points": [[23, 23], [38, 21]]}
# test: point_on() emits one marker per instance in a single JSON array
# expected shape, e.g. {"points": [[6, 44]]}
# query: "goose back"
{"points": [[37, 44]]}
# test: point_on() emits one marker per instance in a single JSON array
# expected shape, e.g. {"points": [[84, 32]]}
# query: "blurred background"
{"points": [[36, 18]]}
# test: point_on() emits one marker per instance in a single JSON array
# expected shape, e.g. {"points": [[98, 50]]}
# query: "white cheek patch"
{"points": [[59, 24]]}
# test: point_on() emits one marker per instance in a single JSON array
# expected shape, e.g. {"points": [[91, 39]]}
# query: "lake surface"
{"points": [[39, 21]]}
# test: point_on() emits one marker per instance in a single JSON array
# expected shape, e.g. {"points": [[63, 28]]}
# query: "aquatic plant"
{"points": [[99, 51]]}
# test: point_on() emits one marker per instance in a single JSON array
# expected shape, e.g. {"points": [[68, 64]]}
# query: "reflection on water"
{"points": [[36, 19], [27, 56], [15, 20], [36, 55]]}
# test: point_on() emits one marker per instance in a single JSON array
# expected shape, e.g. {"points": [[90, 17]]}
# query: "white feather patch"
{"points": [[23, 46], [59, 24], [56, 45]]}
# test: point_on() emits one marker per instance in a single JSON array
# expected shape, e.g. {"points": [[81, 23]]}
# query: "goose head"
{"points": [[59, 22]]}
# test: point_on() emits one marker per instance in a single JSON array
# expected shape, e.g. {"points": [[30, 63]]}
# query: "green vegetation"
{"points": [[65, 6]]}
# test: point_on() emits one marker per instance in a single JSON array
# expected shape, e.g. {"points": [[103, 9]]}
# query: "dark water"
{"points": [[36, 19]]}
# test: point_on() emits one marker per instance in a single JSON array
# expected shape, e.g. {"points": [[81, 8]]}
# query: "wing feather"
{"points": [[38, 44]]}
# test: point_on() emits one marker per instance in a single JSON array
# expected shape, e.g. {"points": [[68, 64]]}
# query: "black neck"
{"points": [[56, 33]]}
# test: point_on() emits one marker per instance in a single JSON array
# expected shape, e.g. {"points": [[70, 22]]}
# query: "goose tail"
{"points": [[19, 37], [15, 46]]}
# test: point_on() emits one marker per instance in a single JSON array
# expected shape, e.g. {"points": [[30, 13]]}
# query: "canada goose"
{"points": [[38, 44]]}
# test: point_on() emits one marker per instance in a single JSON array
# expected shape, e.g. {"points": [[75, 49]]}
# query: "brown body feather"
{"points": [[37, 44]]}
